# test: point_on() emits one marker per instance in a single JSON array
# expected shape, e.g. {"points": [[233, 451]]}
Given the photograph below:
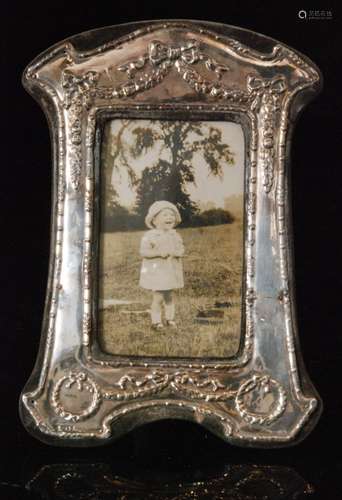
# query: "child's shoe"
{"points": [[157, 326], [171, 323]]}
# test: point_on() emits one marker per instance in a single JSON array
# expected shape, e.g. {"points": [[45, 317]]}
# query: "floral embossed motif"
{"points": [[260, 400], [160, 54], [159, 59], [265, 94], [75, 396], [79, 92]]}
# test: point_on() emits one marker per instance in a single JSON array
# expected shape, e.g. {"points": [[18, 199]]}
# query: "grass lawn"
{"points": [[212, 273]]}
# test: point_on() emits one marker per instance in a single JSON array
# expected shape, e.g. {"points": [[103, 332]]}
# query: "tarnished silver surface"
{"points": [[79, 396]]}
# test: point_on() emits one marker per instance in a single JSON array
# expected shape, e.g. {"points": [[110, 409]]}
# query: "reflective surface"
{"points": [[316, 176], [100, 481], [171, 460], [174, 70]]}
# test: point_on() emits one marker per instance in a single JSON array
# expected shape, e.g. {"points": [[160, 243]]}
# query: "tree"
{"points": [[113, 156], [168, 178], [159, 182], [214, 216]]}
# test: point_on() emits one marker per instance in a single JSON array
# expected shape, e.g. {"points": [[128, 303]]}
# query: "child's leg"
{"points": [[169, 305], [156, 307]]}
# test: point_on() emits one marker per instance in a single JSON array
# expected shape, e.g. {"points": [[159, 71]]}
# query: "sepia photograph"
{"points": [[171, 238]]}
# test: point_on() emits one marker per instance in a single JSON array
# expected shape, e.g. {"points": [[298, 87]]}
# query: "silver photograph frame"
{"points": [[175, 70]]}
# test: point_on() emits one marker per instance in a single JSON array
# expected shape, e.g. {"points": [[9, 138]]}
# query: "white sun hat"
{"points": [[156, 208]]}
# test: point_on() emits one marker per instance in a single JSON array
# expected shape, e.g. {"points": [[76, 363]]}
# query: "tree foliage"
{"points": [[173, 170], [214, 217]]}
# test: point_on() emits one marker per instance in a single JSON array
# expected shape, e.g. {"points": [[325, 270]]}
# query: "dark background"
{"points": [[169, 450]]}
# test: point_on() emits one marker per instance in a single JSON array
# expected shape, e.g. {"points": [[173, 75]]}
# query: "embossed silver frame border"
{"points": [[77, 396]]}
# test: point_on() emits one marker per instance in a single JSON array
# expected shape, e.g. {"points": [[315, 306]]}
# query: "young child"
{"points": [[162, 251]]}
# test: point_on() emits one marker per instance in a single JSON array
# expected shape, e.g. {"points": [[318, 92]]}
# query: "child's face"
{"points": [[165, 220]]}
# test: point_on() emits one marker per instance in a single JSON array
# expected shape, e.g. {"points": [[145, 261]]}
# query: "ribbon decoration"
{"points": [[159, 52], [271, 88], [275, 85], [74, 84], [76, 378], [162, 55]]}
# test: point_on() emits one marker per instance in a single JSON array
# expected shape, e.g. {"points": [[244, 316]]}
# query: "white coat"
{"points": [[157, 272]]}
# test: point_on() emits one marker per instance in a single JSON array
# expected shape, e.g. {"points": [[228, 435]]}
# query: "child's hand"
{"points": [[164, 255]]}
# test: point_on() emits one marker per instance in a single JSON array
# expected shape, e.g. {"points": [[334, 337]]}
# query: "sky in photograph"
{"points": [[207, 188]]}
